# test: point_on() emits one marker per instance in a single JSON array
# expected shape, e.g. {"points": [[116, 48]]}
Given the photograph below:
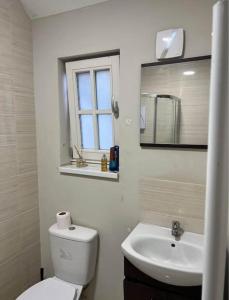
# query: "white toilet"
{"points": [[73, 252]]}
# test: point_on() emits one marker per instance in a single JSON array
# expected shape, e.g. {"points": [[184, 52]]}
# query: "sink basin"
{"points": [[154, 251]]}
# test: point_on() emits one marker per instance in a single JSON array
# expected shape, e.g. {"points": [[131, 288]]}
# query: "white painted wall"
{"points": [[111, 207]]}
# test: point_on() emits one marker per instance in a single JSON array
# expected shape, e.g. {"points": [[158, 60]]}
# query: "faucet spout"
{"points": [[177, 230]]}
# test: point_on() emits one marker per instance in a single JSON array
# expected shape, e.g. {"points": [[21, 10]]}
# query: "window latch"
{"points": [[115, 109]]}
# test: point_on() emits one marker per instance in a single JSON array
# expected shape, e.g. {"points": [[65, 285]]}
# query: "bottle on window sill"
{"points": [[104, 163], [114, 159], [116, 149]]}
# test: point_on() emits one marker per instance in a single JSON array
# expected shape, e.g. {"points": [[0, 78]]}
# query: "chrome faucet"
{"points": [[177, 230]]}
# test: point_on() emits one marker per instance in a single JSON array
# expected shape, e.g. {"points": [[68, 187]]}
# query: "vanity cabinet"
{"points": [[136, 291], [139, 286]]}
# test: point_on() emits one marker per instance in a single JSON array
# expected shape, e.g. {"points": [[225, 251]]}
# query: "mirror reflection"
{"points": [[174, 103]]}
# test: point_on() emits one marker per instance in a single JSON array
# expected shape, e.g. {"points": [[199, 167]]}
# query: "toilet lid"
{"points": [[50, 289]]}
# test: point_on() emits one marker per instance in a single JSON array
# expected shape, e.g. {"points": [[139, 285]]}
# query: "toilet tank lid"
{"points": [[74, 233]]}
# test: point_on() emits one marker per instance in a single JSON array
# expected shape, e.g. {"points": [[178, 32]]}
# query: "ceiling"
{"points": [[42, 8]]}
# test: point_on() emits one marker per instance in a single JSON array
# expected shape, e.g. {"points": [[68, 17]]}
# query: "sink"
{"points": [[154, 251]]}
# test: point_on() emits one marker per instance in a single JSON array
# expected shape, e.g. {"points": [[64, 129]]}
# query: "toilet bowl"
{"points": [[73, 252]]}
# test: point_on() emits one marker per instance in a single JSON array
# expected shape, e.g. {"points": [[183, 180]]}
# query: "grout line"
{"points": [[24, 250], [36, 207]]}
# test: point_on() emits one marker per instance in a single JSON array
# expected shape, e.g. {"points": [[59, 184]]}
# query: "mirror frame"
{"points": [[168, 62]]}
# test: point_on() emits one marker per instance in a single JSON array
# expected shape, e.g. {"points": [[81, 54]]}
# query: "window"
{"points": [[93, 96]]}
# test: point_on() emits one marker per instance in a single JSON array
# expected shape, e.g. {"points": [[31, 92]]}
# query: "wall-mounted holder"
{"points": [[115, 109]]}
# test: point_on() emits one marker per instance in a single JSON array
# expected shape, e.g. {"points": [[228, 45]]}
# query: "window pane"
{"points": [[103, 89], [87, 131], [105, 131], [84, 90]]}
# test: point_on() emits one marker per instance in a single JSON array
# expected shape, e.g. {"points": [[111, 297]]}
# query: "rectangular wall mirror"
{"points": [[174, 103]]}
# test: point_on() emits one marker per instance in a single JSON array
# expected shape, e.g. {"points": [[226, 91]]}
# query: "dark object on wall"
{"points": [[139, 286], [41, 274], [226, 287]]}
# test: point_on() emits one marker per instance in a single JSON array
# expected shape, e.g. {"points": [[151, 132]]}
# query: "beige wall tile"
{"points": [[8, 198], [7, 140], [29, 228], [25, 125], [22, 83], [5, 4], [26, 160], [8, 162], [27, 192], [18, 233], [6, 102], [26, 141], [19, 273], [7, 124], [5, 82], [165, 220], [18, 17], [163, 201], [10, 240], [19, 219], [30, 266], [23, 104], [10, 279]]}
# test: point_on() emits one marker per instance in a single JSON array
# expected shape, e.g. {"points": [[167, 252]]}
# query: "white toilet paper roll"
{"points": [[63, 219]]}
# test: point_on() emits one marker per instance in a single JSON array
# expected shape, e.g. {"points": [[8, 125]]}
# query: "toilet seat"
{"points": [[52, 289]]}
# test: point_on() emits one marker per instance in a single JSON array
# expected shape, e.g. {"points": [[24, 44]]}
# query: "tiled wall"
{"points": [[19, 219], [163, 201]]}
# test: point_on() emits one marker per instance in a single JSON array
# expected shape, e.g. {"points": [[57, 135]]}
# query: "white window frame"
{"points": [[90, 65]]}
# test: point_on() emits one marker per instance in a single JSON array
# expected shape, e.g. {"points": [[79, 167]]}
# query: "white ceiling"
{"points": [[42, 8]]}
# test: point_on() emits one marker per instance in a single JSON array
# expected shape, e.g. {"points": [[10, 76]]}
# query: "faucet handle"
{"points": [[175, 224]]}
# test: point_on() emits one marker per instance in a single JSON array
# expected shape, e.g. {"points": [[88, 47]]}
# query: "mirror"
{"points": [[174, 103]]}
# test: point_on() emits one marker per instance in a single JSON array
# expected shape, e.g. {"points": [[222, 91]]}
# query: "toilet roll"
{"points": [[63, 219]]}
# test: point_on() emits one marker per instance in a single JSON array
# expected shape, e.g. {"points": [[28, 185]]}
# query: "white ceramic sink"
{"points": [[154, 251]]}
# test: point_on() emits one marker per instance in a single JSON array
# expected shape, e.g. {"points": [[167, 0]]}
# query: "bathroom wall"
{"points": [[111, 207], [19, 222], [163, 201]]}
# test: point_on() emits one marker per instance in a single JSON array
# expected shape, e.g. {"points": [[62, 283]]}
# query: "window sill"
{"points": [[90, 170]]}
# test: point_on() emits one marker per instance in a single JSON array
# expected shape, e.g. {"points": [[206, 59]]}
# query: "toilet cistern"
{"points": [[73, 253]]}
